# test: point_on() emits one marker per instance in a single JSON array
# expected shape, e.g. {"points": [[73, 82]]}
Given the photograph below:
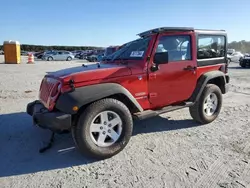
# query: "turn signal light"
{"points": [[75, 108]]}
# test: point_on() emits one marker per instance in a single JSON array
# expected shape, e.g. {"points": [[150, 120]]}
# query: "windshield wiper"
{"points": [[121, 58]]}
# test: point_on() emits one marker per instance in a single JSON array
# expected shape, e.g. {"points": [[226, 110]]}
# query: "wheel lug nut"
{"points": [[101, 128], [109, 131], [109, 125], [103, 132], [105, 123]]}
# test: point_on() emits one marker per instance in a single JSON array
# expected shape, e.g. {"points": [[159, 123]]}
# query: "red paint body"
{"points": [[168, 85]]}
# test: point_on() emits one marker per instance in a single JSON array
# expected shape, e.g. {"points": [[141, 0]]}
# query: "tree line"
{"points": [[242, 46]]}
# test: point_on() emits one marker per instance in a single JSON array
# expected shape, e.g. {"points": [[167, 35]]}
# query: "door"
{"points": [[56, 55], [175, 80], [65, 55], [59, 56]]}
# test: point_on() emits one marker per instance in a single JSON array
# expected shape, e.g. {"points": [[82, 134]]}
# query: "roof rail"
{"points": [[165, 29], [210, 30]]}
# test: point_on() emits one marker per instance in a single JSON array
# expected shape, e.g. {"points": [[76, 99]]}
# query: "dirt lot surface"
{"points": [[167, 151]]}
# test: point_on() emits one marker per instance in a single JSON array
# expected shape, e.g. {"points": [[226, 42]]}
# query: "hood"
{"points": [[91, 72]]}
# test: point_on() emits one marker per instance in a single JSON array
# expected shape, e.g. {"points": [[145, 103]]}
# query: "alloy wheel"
{"points": [[106, 128]]}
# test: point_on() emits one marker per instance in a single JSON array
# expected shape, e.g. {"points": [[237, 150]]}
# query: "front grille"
{"points": [[46, 88]]}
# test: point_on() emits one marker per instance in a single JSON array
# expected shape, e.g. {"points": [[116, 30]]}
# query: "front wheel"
{"points": [[69, 58], [104, 128], [242, 64], [208, 107]]}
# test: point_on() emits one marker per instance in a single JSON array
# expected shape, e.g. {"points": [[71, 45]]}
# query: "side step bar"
{"points": [[152, 113]]}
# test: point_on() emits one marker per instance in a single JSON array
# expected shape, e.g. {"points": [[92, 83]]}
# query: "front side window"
{"points": [[178, 47], [210, 46]]}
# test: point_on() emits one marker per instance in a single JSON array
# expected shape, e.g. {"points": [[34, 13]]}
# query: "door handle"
{"points": [[190, 68]]}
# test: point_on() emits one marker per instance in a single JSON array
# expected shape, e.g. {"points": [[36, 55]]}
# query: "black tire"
{"points": [[50, 58], [197, 111], [69, 58], [243, 65], [81, 131]]}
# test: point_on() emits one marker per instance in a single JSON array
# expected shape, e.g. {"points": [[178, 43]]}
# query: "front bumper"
{"points": [[54, 121]]}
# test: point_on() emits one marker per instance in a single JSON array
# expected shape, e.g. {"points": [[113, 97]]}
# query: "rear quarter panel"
{"points": [[205, 69]]}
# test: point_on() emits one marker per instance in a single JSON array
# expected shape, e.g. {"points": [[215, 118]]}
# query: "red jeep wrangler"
{"points": [[165, 69]]}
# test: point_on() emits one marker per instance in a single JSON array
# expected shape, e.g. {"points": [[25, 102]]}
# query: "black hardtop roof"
{"points": [[177, 29]]}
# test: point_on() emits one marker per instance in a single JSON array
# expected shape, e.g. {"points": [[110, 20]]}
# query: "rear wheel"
{"points": [[208, 107], [50, 58], [104, 128]]}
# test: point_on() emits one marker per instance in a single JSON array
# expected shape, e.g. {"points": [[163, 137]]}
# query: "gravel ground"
{"points": [[166, 151]]}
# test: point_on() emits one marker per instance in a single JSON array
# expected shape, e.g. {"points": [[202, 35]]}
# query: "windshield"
{"points": [[134, 50]]}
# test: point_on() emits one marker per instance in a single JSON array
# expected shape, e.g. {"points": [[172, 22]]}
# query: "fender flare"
{"points": [[87, 94], [204, 80]]}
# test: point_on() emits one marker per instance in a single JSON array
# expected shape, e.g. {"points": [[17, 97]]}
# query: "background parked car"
{"points": [[39, 55], [235, 57], [77, 53], [230, 51], [24, 53], [245, 61], [59, 55], [86, 54], [82, 55], [92, 58]]}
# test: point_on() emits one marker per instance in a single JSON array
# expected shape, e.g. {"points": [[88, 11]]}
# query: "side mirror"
{"points": [[161, 58]]}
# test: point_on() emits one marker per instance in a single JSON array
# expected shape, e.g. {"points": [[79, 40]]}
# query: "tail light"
{"points": [[224, 67], [56, 90]]}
